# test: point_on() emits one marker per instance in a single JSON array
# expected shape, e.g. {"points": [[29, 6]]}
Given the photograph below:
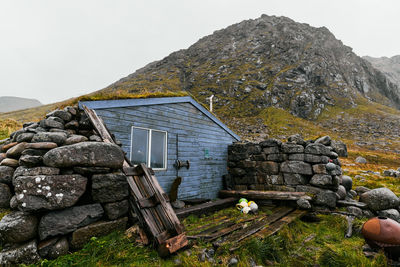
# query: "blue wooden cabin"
{"points": [[161, 131]]}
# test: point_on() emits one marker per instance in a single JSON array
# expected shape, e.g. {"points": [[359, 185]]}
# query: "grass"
{"points": [[8, 126]]}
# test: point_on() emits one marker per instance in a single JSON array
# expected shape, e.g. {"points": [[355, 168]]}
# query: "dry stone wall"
{"points": [[297, 165], [63, 186]]}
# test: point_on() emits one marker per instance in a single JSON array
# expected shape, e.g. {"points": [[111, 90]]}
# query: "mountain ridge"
{"points": [[13, 103]]}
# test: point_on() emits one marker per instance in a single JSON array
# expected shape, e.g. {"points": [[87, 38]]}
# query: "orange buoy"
{"points": [[383, 233]]}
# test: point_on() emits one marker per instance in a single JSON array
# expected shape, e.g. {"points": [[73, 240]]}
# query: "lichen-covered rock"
{"points": [[326, 198], [68, 220], [325, 140], [315, 158], [319, 169], [361, 160], [6, 174], [25, 137], [296, 139], [355, 211], [50, 137], [30, 161], [271, 142], [109, 187], [116, 210], [53, 248], [341, 192], [51, 123], [294, 179], [321, 180], [340, 148], [5, 196], [298, 167], [380, 199], [48, 192], [303, 204], [390, 213], [269, 167], [62, 114], [317, 149], [22, 254], [361, 190], [82, 235], [87, 154], [18, 227], [292, 148], [347, 182], [24, 171]]}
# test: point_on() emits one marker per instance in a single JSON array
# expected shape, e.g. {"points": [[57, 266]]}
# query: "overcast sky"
{"points": [[53, 50]]}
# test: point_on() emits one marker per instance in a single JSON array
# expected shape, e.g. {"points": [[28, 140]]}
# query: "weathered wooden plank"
{"points": [[255, 227], [272, 195], [172, 245], [205, 207]]}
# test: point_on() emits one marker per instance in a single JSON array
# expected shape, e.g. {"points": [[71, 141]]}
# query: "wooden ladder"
{"points": [[147, 199]]}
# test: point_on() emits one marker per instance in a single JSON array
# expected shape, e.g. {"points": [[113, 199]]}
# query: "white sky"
{"points": [[52, 50]]}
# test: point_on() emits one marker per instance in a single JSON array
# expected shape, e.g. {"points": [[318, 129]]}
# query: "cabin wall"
{"points": [[191, 130]]}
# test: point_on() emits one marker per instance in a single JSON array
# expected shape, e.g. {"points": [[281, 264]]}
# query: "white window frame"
{"points": [[149, 147]]}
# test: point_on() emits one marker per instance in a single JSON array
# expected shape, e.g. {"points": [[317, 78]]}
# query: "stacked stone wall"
{"points": [[297, 165], [63, 186]]}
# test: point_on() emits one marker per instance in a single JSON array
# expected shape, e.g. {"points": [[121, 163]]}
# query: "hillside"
{"points": [[272, 76], [11, 103], [389, 66]]}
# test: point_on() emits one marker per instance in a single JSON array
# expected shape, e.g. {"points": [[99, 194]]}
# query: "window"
{"points": [[150, 147]]}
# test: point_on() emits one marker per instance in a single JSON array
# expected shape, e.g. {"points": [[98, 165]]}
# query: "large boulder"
{"points": [[380, 199], [347, 182], [50, 137], [109, 187], [88, 154], [81, 236], [23, 254], [6, 174], [48, 192], [18, 227], [68, 220], [298, 167], [5, 196]]}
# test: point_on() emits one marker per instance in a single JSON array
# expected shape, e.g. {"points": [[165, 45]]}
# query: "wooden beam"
{"points": [[268, 195], [205, 207], [272, 228]]}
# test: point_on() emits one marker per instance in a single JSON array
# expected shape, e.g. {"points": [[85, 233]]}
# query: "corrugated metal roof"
{"points": [[102, 104]]}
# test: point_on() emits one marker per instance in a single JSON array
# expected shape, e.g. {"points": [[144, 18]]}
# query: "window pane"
{"points": [[157, 149], [140, 142]]}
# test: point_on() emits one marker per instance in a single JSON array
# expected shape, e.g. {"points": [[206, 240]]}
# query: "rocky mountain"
{"points": [[267, 62], [389, 66], [11, 103]]}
